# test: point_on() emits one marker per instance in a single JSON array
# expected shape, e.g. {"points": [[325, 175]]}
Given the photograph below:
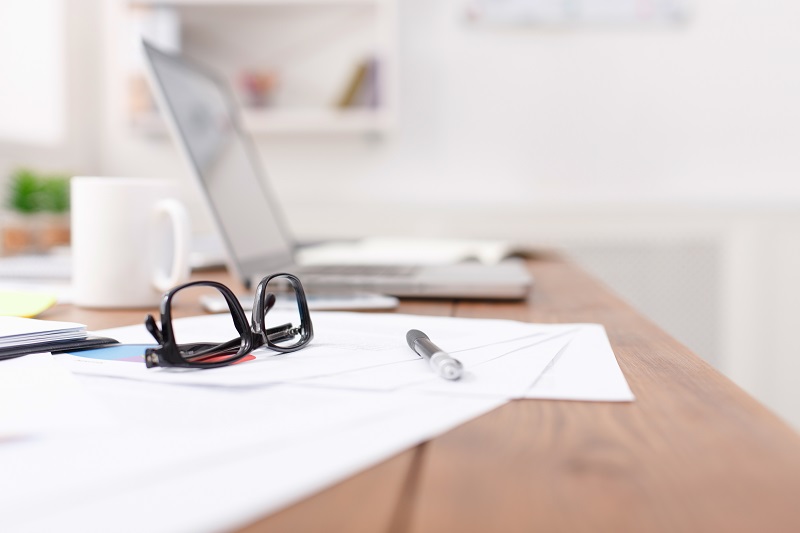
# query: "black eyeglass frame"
{"points": [[252, 335]]}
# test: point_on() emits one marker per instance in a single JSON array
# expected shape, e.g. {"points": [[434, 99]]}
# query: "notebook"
{"points": [[200, 109]]}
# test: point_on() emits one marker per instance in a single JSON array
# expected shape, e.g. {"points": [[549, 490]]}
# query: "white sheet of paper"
{"points": [[38, 396], [585, 370], [208, 459], [504, 369]]}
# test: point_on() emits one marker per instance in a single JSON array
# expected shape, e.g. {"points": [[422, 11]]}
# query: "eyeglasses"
{"points": [[255, 334]]}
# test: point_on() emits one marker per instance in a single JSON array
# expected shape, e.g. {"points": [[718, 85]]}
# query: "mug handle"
{"points": [[181, 234]]}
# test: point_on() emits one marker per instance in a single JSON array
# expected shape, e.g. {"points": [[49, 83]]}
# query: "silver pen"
{"points": [[441, 362]]}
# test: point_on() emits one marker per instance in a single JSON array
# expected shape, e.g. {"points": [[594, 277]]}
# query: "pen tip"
{"points": [[451, 371]]}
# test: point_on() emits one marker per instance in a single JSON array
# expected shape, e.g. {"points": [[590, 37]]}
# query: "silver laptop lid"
{"points": [[203, 116]]}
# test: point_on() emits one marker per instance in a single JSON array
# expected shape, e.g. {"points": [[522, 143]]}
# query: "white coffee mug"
{"points": [[130, 241]]}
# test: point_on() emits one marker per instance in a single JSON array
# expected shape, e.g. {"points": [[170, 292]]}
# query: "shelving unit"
{"points": [[315, 48]]}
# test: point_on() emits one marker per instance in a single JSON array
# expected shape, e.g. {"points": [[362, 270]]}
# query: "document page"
{"points": [[274, 444], [351, 350], [38, 396]]}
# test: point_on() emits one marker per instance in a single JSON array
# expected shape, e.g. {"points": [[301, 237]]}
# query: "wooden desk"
{"points": [[693, 453]]}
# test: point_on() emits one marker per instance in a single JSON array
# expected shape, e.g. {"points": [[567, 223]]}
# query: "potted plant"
{"points": [[38, 208]]}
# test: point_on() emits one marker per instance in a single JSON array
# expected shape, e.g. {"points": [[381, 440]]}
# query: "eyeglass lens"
{"points": [[218, 345], [283, 321]]}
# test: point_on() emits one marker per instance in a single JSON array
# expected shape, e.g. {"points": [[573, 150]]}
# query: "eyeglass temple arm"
{"points": [[258, 318], [203, 349], [150, 324]]}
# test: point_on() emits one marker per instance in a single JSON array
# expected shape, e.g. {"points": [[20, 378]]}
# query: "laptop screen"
{"points": [[224, 160]]}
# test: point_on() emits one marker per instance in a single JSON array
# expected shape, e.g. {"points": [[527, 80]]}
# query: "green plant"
{"points": [[55, 194], [30, 192]]}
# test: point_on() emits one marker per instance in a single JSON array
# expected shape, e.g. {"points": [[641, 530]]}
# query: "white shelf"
{"points": [[273, 121], [315, 120]]}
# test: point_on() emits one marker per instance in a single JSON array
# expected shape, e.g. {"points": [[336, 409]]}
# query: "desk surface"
{"points": [[692, 453]]}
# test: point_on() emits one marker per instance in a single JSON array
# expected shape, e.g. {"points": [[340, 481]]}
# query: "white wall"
{"points": [[706, 113], [75, 149]]}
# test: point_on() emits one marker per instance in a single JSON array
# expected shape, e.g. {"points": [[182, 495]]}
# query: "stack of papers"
{"points": [[281, 426], [404, 251], [17, 332], [502, 358]]}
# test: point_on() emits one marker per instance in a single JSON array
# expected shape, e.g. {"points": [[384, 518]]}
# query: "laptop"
{"points": [[200, 109]]}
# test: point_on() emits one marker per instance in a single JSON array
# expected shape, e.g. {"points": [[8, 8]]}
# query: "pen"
{"points": [[282, 332], [441, 362]]}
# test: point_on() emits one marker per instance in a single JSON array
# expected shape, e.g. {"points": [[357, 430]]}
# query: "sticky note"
{"points": [[25, 304]]}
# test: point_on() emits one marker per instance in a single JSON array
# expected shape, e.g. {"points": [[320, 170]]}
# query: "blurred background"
{"points": [[655, 142]]}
